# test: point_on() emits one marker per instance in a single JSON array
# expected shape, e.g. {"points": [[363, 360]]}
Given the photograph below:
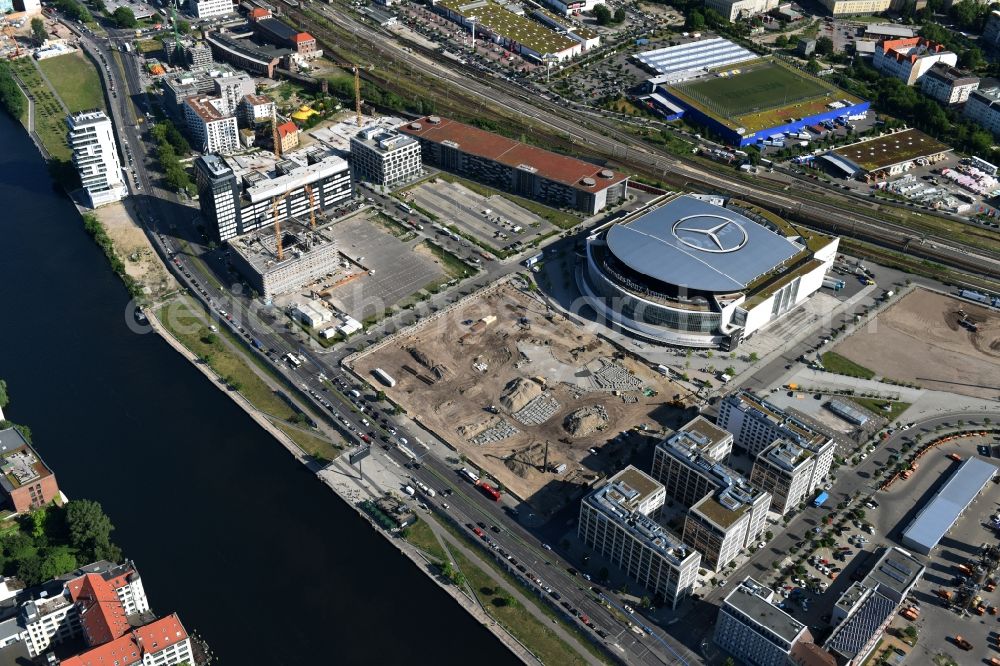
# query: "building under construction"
{"points": [[304, 254]]}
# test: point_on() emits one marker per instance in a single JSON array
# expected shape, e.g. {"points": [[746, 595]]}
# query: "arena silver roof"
{"points": [[698, 245], [684, 60]]}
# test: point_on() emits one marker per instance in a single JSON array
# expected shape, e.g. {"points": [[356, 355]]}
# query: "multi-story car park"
{"points": [[511, 166], [694, 273], [755, 631], [725, 514], [385, 157], [95, 156], [792, 471], [236, 200], [617, 520]]}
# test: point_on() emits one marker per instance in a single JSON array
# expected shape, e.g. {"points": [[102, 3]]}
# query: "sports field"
{"points": [[759, 94], [762, 86]]}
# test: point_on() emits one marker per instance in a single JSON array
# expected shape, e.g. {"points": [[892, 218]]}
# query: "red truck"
{"points": [[489, 491]]}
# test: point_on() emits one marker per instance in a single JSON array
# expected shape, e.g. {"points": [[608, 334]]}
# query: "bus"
{"points": [[406, 209], [470, 475], [489, 491]]}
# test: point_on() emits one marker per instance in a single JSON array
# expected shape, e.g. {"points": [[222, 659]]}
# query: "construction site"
{"points": [[937, 341], [285, 257], [528, 396]]}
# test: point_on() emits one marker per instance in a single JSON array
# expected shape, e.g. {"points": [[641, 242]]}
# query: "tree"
{"points": [[603, 574], [56, 562], [38, 32], [695, 20], [753, 357], [90, 530], [972, 58], [4, 396], [813, 66], [602, 14], [911, 632], [124, 18], [620, 15], [824, 46], [183, 27], [780, 42]]}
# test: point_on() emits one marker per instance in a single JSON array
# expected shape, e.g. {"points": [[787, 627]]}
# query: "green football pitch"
{"points": [[755, 89]]}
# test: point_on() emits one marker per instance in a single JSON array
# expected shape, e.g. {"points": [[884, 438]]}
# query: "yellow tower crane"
{"points": [[357, 88], [278, 250], [274, 131], [312, 206]]}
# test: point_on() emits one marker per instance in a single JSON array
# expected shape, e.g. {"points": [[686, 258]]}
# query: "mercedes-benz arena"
{"points": [[695, 273]]}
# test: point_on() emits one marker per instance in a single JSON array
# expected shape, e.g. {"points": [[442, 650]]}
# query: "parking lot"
{"points": [[495, 220], [393, 268]]}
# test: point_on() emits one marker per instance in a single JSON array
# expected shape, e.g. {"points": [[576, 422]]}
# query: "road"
{"points": [[170, 224]]}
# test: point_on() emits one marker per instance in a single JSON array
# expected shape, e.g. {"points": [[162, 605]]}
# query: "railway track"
{"points": [[604, 138]]}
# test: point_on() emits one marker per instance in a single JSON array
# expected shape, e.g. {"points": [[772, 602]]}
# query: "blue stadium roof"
{"points": [[698, 245], [937, 517]]}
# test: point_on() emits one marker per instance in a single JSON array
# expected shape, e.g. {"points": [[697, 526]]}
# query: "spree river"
{"points": [[252, 551]]}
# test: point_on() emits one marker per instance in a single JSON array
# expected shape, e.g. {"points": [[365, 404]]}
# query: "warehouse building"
{"points": [[385, 157], [244, 54], [510, 30], [282, 34], [693, 273], [511, 166], [617, 520], [588, 38], [889, 155], [950, 502], [685, 61]]}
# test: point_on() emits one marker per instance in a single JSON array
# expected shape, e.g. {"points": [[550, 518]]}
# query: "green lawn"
{"points": [[75, 80], [538, 638], [834, 362], [149, 46], [50, 119], [422, 536], [180, 318], [875, 406], [758, 87]]}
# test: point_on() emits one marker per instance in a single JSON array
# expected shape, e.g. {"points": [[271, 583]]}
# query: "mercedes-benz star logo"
{"points": [[725, 236]]}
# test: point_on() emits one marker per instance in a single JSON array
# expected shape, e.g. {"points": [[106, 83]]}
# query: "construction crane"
{"points": [[274, 130], [8, 30], [312, 206], [357, 88], [278, 250]]}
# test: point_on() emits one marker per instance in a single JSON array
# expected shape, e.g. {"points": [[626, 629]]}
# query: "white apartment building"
{"points": [[856, 7], [91, 136], [983, 108], [617, 520], [254, 109], [231, 90], [948, 85], [210, 125], [752, 629], [385, 157], [909, 59], [725, 514], [205, 8], [791, 472], [741, 9]]}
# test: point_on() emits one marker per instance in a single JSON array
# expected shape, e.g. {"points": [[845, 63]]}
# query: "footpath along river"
{"points": [[252, 551]]}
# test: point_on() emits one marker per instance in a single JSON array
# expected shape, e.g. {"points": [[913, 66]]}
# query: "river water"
{"points": [[251, 550]]}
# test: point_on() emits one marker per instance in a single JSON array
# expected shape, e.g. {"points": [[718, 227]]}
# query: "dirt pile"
{"points": [[522, 461], [585, 421], [518, 393]]}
